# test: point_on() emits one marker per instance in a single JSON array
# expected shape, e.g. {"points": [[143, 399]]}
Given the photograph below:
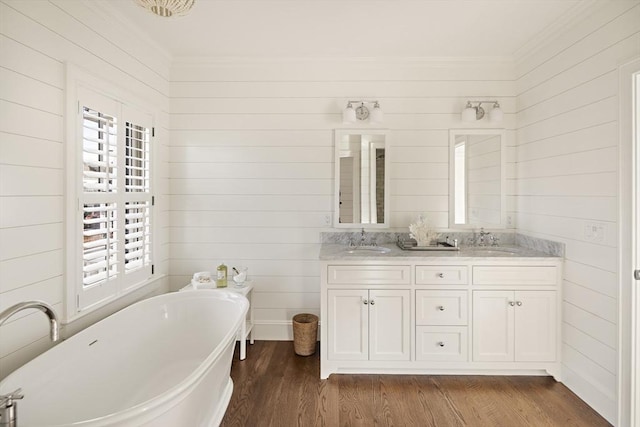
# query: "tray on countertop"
{"points": [[412, 246]]}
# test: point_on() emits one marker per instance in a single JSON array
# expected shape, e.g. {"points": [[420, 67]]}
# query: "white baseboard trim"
{"points": [[275, 330], [599, 401]]}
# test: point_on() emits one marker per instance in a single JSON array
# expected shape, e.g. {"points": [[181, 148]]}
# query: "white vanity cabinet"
{"points": [[368, 324], [514, 326], [367, 312], [446, 314], [517, 320]]}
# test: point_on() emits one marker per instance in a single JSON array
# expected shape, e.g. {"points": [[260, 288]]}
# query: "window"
{"points": [[112, 231]]}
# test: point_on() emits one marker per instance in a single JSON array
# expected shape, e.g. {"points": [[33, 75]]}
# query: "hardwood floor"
{"points": [[274, 387]]}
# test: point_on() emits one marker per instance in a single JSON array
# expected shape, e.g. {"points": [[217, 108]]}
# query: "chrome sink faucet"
{"points": [[486, 236], [363, 240], [8, 404], [481, 239]]}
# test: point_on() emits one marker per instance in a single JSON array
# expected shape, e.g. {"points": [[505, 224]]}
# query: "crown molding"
{"points": [[405, 61]]}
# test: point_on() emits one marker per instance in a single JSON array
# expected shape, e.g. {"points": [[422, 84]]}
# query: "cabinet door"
{"points": [[493, 327], [535, 326], [348, 323], [389, 319]]}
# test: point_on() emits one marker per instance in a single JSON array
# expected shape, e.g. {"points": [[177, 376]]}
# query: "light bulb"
{"points": [[469, 113], [496, 115], [376, 114], [348, 114]]}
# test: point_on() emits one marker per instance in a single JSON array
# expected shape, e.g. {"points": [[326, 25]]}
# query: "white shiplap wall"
{"points": [[567, 179], [251, 161], [37, 38]]}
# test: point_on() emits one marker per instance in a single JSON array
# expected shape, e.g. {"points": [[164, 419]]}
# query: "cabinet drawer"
{"points": [[515, 275], [441, 307], [441, 343], [441, 275], [369, 274]]}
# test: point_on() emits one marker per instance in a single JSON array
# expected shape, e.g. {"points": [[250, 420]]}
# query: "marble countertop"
{"points": [[338, 252]]}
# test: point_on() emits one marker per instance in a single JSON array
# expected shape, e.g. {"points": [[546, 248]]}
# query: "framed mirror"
{"points": [[477, 178], [361, 179]]}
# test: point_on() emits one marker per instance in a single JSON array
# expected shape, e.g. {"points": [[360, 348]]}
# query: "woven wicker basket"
{"points": [[305, 333]]}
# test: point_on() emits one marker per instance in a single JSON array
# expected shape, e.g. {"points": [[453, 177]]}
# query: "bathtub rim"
{"points": [[165, 401]]}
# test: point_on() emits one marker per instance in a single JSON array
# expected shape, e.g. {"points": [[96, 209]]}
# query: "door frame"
{"points": [[629, 292]]}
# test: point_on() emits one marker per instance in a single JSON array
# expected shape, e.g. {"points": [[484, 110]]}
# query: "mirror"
{"points": [[361, 178], [477, 178]]}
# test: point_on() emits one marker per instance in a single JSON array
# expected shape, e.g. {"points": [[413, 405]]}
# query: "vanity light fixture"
{"points": [[167, 8], [472, 113], [376, 113], [362, 112]]}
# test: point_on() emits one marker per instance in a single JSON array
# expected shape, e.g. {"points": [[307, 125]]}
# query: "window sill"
{"points": [[115, 303]]}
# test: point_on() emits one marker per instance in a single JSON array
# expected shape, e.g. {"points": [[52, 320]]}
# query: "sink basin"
{"points": [[368, 250], [489, 251]]}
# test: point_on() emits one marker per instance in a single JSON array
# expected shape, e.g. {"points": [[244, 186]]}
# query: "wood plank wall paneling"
{"points": [[251, 161], [567, 167], [36, 39], [247, 175]]}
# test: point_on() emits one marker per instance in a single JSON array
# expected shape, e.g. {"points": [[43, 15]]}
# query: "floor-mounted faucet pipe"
{"points": [[54, 325]]}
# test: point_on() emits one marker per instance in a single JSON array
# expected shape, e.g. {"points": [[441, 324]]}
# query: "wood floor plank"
{"points": [[439, 407], [327, 409], [558, 404], [355, 396], [248, 385], [275, 387]]}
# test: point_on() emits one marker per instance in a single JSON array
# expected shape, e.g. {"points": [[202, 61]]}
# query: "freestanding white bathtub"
{"points": [[164, 361]]}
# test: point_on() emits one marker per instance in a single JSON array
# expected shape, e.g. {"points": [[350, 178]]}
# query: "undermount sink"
{"points": [[368, 249], [492, 250]]}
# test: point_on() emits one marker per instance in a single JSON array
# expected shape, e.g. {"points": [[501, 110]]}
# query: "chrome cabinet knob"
{"points": [[440, 275], [440, 344], [441, 308], [372, 302], [365, 302], [512, 303], [519, 303]]}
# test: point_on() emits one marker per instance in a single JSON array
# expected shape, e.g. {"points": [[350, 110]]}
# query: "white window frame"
{"points": [[81, 300]]}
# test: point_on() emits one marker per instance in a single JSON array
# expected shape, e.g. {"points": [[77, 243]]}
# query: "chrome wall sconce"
{"points": [[362, 112], [472, 113]]}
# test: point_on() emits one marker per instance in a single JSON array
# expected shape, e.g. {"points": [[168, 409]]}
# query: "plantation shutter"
{"points": [[137, 209], [114, 197]]}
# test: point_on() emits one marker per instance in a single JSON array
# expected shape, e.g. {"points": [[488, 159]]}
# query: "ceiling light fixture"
{"points": [[362, 112], [472, 113], [167, 8]]}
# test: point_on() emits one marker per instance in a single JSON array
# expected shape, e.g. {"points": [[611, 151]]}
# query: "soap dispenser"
{"points": [[221, 278]]}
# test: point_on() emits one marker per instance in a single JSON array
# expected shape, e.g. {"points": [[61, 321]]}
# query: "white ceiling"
{"points": [[350, 28]]}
